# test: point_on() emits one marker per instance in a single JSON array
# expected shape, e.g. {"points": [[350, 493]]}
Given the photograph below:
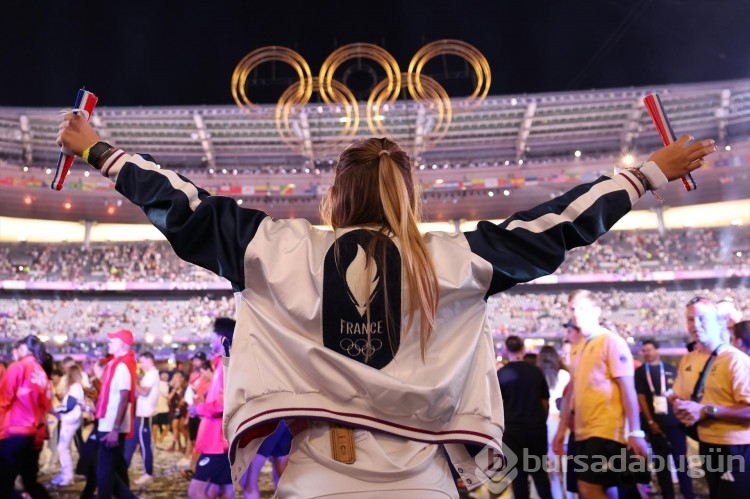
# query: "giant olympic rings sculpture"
{"points": [[421, 88]]}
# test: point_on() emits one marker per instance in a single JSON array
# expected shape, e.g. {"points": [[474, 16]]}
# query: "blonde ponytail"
{"points": [[402, 213]]}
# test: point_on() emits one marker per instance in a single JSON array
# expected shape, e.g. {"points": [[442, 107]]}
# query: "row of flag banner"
{"points": [[313, 189]]}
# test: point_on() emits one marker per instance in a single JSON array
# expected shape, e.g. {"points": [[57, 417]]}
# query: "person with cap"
{"points": [[196, 390], [115, 413], [213, 477]]}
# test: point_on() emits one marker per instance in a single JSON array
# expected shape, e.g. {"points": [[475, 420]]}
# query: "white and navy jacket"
{"points": [[300, 342]]}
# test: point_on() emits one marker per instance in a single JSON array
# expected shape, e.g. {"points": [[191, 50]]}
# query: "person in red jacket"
{"points": [[25, 400]]}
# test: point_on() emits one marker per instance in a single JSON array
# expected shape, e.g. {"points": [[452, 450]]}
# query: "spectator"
{"points": [[603, 399], [25, 400], [87, 460], [196, 391], [574, 340], [729, 315], [526, 406], [653, 381], [557, 379], [741, 336], [147, 396], [213, 476], [114, 413], [162, 423], [69, 412], [177, 412], [721, 409]]}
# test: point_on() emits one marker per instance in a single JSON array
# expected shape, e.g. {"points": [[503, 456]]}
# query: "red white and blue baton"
{"points": [[85, 103], [664, 128]]}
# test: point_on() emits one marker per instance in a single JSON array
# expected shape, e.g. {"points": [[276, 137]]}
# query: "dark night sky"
{"points": [[168, 52]]}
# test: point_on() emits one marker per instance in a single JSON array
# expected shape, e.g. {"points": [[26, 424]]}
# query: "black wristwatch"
{"points": [[97, 152], [711, 411]]}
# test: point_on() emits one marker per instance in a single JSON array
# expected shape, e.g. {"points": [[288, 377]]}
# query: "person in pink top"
{"points": [[213, 476], [25, 400]]}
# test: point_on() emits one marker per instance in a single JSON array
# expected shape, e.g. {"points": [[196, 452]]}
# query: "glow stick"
{"points": [[664, 128], [85, 102]]}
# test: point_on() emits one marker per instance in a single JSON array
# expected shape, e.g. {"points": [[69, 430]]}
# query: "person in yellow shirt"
{"points": [[722, 408], [604, 402]]}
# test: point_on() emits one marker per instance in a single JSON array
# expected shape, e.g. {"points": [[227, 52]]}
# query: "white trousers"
{"points": [[67, 432], [385, 466]]}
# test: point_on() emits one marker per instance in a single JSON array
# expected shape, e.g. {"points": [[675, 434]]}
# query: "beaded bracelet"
{"points": [[637, 173]]}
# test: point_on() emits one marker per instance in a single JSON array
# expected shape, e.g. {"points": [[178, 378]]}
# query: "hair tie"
{"points": [[384, 151]]}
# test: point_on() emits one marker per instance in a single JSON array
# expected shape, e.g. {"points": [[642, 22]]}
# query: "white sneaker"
{"points": [[144, 479]]}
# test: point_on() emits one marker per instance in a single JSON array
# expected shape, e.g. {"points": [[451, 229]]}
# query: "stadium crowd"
{"points": [[638, 314], [617, 252]]}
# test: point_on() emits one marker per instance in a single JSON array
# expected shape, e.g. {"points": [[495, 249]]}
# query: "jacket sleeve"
{"points": [[209, 231], [534, 243], [9, 384], [68, 404]]}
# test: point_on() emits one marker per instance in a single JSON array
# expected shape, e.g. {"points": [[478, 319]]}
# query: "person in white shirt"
{"points": [[66, 364], [147, 399], [69, 414], [114, 414]]}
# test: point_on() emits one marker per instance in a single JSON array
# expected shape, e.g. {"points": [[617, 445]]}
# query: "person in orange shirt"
{"points": [[722, 408]]}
